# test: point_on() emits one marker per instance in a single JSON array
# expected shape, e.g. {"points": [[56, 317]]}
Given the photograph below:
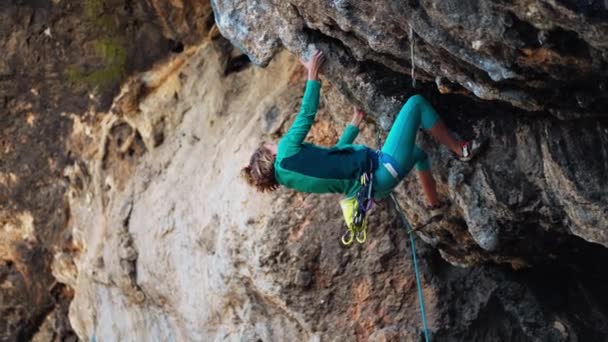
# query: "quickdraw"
{"points": [[357, 230]]}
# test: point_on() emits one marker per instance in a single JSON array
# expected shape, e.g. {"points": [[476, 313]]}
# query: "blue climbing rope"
{"points": [[418, 285], [408, 228]]}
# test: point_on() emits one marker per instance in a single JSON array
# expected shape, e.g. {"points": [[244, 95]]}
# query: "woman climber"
{"points": [[310, 168]]}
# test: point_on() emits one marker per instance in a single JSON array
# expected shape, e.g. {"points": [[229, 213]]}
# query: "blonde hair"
{"points": [[260, 171]]}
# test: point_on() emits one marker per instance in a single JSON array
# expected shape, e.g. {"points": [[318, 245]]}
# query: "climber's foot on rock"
{"points": [[470, 149], [436, 214], [437, 211]]}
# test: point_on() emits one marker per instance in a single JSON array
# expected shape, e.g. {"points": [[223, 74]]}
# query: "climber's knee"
{"points": [[417, 99], [418, 105], [428, 114]]}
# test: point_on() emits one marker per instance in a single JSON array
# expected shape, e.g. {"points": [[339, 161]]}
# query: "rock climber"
{"points": [[310, 168]]}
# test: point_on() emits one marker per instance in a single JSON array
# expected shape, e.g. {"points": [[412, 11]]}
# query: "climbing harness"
{"points": [[410, 232], [355, 209]]}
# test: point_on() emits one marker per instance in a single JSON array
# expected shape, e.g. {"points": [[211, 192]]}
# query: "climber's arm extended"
{"points": [[352, 129], [310, 102]]}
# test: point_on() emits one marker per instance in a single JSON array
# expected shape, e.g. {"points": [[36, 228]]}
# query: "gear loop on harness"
{"points": [[348, 237], [361, 236]]}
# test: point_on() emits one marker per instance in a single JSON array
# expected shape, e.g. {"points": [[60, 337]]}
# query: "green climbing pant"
{"points": [[400, 153]]}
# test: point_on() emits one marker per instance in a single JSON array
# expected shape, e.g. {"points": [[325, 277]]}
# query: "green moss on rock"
{"points": [[114, 56], [110, 48]]}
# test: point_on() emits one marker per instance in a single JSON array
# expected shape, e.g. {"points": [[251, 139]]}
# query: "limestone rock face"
{"points": [[62, 59]]}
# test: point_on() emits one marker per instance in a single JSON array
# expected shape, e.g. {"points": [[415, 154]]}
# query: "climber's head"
{"points": [[260, 171]]}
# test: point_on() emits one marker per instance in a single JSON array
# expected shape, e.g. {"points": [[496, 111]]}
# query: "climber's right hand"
{"points": [[358, 116], [313, 65]]}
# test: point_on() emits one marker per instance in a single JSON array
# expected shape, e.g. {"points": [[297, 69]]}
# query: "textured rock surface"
{"points": [[180, 249], [533, 54], [138, 214]]}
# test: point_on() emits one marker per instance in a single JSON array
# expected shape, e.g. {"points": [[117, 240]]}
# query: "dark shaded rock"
{"points": [[303, 278], [531, 55]]}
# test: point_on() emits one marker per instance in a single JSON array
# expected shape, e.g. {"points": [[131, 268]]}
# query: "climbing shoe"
{"points": [[470, 149], [436, 214]]}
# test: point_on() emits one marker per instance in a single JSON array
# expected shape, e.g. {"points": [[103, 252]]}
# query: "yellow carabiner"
{"points": [[348, 237], [361, 236]]}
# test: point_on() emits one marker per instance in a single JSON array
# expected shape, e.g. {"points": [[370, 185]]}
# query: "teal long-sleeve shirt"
{"points": [[311, 168]]}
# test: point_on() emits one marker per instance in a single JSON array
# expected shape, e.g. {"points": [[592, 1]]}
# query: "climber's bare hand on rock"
{"points": [[358, 116], [313, 65]]}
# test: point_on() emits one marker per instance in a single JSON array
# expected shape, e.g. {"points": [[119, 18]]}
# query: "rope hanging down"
{"points": [[412, 48], [410, 232]]}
